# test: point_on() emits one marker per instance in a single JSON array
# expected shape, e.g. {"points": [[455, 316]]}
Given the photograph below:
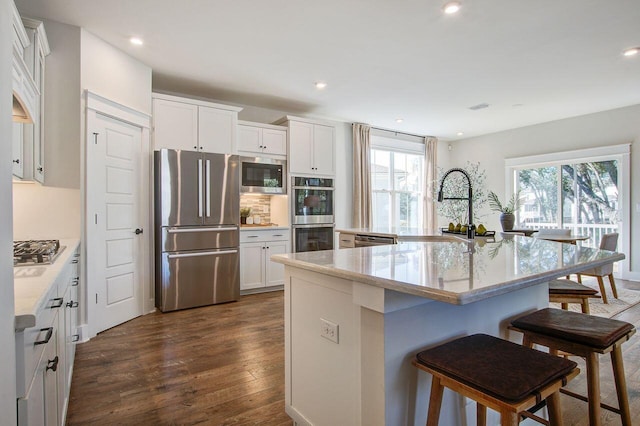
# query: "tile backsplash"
{"points": [[260, 205]]}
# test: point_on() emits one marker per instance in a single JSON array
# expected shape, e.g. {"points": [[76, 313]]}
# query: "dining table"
{"points": [[570, 239]]}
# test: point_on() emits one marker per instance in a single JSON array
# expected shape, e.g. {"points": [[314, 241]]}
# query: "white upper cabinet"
{"points": [[258, 138], [312, 147], [217, 130], [30, 47], [175, 125], [187, 124]]}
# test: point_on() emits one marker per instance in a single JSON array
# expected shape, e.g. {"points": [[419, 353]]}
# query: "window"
{"points": [[587, 191], [397, 182]]}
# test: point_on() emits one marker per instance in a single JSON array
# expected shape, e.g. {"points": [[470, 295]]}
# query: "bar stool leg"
{"points": [[621, 385], [435, 402], [554, 408], [509, 418], [593, 388], [481, 415]]}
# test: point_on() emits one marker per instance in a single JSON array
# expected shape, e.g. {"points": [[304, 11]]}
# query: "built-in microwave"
{"points": [[261, 175]]}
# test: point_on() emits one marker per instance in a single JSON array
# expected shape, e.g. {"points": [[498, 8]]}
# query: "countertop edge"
{"points": [[443, 295]]}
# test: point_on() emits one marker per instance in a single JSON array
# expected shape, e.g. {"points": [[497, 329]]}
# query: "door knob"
{"points": [[138, 231]]}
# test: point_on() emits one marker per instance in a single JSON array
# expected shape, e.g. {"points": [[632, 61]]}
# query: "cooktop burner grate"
{"points": [[35, 252]]}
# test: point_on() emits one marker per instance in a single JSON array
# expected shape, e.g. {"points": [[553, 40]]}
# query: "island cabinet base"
{"points": [[349, 347]]}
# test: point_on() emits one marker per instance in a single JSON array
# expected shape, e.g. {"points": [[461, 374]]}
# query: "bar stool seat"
{"points": [[567, 291], [586, 336], [498, 374]]}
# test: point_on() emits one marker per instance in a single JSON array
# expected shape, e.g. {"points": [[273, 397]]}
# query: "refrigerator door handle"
{"points": [[183, 230], [200, 188], [207, 182], [202, 253]]}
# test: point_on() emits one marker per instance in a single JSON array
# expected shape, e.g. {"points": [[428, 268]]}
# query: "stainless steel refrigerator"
{"points": [[196, 229]]}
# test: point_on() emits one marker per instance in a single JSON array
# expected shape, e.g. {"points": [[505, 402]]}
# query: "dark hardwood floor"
{"points": [[224, 365]]}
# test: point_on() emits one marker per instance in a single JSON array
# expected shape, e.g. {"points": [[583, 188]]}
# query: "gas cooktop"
{"points": [[36, 252]]}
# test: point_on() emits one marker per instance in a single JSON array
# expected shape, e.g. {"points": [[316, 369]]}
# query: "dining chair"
{"points": [[608, 242]]}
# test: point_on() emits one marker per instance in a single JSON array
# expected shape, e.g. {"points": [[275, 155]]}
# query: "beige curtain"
{"points": [[362, 176], [430, 176]]}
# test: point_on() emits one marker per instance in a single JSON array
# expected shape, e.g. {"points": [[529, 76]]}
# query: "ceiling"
{"points": [[530, 61]]}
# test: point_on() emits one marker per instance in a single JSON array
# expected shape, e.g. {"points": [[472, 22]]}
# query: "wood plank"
{"points": [[224, 364]]}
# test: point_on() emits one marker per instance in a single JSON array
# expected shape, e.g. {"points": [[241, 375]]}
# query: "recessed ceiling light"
{"points": [[136, 41], [399, 120], [451, 7], [631, 52], [320, 85], [460, 133]]}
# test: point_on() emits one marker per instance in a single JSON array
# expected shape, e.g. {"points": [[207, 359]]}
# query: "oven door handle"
{"points": [[315, 188], [316, 225]]}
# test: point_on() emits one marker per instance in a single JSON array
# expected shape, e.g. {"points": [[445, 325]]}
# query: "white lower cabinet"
{"points": [[45, 353], [257, 271]]}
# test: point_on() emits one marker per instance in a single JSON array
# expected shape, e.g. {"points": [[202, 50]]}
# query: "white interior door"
{"points": [[114, 181]]}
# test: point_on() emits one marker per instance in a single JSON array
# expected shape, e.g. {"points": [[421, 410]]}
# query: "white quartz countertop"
{"points": [[388, 232], [32, 283], [451, 271]]}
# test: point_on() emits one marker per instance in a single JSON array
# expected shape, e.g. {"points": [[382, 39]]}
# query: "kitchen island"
{"points": [[354, 319]]}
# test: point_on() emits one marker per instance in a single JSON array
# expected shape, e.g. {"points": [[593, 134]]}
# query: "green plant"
{"points": [[245, 211], [509, 208]]}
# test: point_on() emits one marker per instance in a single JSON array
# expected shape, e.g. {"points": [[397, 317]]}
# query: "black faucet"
{"points": [[469, 198]]}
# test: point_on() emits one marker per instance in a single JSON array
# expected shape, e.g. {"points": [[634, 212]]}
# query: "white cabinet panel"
{"points": [[311, 148], [261, 138], [190, 125], [175, 125], [256, 248], [216, 130]]}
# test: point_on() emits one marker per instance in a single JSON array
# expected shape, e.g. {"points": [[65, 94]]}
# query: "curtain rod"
{"points": [[401, 133]]}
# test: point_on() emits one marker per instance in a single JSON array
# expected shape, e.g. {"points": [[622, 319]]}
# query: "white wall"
{"points": [[7, 316], [62, 106], [41, 212], [606, 128], [112, 74]]}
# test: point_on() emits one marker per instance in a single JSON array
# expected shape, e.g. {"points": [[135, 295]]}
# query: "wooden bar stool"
{"points": [[567, 291], [497, 374], [586, 336]]}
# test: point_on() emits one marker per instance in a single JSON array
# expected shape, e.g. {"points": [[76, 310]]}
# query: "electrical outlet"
{"points": [[329, 330]]}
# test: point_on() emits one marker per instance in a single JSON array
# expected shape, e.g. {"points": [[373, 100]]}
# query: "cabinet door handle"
{"points": [[40, 169], [252, 236], [74, 261], [52, 364], [17, 161], [278, 235], [139, 231], [75, 282], [49, 331], [59, 301], [75, 338], [72, 304]]}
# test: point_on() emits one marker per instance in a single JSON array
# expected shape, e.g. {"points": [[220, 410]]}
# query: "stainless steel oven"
{"points": [[312, 237], [312, 200]]}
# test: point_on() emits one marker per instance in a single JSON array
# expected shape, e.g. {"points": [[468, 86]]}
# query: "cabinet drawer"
{"points": [[264, 235], [31, 342]]}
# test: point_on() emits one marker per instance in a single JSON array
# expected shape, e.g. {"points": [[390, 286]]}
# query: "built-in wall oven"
{"points": [[313, 213]]}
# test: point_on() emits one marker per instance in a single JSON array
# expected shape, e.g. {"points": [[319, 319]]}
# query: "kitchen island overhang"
{"points": [[388, 303]]}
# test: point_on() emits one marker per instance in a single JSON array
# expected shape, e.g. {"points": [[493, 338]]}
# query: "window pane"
{"points": [[381, 204], [407, 172], [407, 210], [539, 191], [590, 199], [380, 170]]}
